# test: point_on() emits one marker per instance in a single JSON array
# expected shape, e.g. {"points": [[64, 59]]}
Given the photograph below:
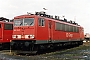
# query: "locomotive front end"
{"points": [[23, 34]]}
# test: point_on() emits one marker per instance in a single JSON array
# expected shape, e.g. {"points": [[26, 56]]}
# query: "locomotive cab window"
{"points": [[18, 22], [28, 21], [41, 22], [8, 26], [24, 22]]}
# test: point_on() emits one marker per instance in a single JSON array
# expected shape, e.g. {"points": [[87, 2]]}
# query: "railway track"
{"points": [[69, 53]]}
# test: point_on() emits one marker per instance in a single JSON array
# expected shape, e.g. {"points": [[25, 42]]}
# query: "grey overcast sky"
{"points": [[76, 10]]}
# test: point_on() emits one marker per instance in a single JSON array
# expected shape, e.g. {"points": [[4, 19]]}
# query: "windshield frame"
{"points": [[22, 22]]}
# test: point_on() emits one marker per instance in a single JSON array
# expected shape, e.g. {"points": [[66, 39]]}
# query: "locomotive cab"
{"points": [[23, 28], [24, 32]]}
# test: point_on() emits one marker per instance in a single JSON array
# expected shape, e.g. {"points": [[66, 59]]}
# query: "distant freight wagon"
{"points": [[87, 36]]}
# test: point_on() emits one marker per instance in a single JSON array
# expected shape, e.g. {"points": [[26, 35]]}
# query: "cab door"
{"points": [[50, 31], [0, 32]]}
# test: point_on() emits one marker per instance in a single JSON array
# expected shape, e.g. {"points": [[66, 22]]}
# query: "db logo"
{"points": [[69, 35]]}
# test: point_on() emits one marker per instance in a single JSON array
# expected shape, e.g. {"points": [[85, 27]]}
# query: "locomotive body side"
{"points": [[6, 29], [56, 31]]}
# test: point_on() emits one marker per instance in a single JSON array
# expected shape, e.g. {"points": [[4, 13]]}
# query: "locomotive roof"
{"points": [[4, 20], [43, 15]]}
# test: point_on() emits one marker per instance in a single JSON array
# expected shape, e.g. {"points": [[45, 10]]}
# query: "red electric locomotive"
{"points": [[6, 30], [34, 32]]}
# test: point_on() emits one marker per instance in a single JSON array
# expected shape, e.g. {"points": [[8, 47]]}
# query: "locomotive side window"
{"points": [[71, 28], [75, 29], [8, 26], [41, 22], [58, 26], [66, 28], [63, 27]]}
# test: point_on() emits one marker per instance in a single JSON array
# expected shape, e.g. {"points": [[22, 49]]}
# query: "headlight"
{"points": [[31, 36], [13, 36], [16, 36]]}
